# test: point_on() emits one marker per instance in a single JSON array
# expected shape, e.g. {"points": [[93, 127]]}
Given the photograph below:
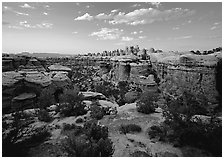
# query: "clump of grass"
{"points": [[124, 129]]}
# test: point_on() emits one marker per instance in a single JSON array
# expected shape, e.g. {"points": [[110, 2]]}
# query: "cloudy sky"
{"points": [[74, 27]]}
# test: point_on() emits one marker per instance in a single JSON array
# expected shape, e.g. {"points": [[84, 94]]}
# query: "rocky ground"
{"points": [[130, 144]]}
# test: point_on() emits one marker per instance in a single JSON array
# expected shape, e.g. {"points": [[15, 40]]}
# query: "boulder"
{"points": [[93, 96], [38, 78], [23, 101], [24, 96]]}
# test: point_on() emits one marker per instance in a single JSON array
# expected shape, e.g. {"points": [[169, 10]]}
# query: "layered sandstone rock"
{"points": [[58, 67], [193, 72]]}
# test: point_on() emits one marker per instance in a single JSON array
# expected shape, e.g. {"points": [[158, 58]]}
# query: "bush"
{"points": [[130, 128], [43, 115], [140, 154], [178, 115], [16, 143], [96, 111], [131, 97], [91, 141], [146, 103], [79, 120], [72, 104], [46, 98], [106, 88]]}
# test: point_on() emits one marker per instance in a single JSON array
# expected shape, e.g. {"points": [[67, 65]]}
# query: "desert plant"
{"points": [[146, 103], [140, 154], [129, 128], [46, 98], [96, 111], [178, 117], [72, 104], [91, 141], [79, 120], [16, 143], [43, 115]]}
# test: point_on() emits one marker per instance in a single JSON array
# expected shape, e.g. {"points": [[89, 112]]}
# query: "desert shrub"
{"points": [[91, 141], [96, 111], [146, 103], [72, 104], [140, 154], [106, 88], [131, 97], [160, 132], [46, 98], [130, 128], [79, 120], [14, 143], [43, 115], [178, 116]]}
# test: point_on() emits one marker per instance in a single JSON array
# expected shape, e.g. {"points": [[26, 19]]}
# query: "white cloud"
{"points": [[15, 27], [126, 38], [140, 16], [175, 28], [85, 17], [26, 6], [189, 21], [43, 25], [115, 10], [6, 8], [107, 34], [134, 33], [183, 37], [46, 25], [136, 5], [150, 15], [77, 3], [45, 13], [142, 37], [87, 6], [217, 23], [23, 22], [47, 7], [103, 16], [213, 28], [140, 31], [155, 4], [74, 32], [20, 13]]}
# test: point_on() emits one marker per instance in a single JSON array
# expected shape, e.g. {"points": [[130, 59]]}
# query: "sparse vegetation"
{"points": [[96, 111], [43, 115], [146, 103], [178, 115], [14, 143], [91, 141], [46, 98], [72, 104], [79, 120], [130, 128], [140, 154]]}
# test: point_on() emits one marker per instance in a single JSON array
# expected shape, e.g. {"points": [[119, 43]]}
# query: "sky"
{"points": [[82, 27]]}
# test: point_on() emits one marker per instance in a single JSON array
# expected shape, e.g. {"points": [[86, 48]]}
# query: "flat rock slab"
{"points": [[58, 68], [10, 78], [24, 96]]}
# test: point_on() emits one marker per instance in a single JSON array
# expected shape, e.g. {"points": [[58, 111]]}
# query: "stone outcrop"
{"points": [[58, 67], [195, 72], [29, 81]]}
